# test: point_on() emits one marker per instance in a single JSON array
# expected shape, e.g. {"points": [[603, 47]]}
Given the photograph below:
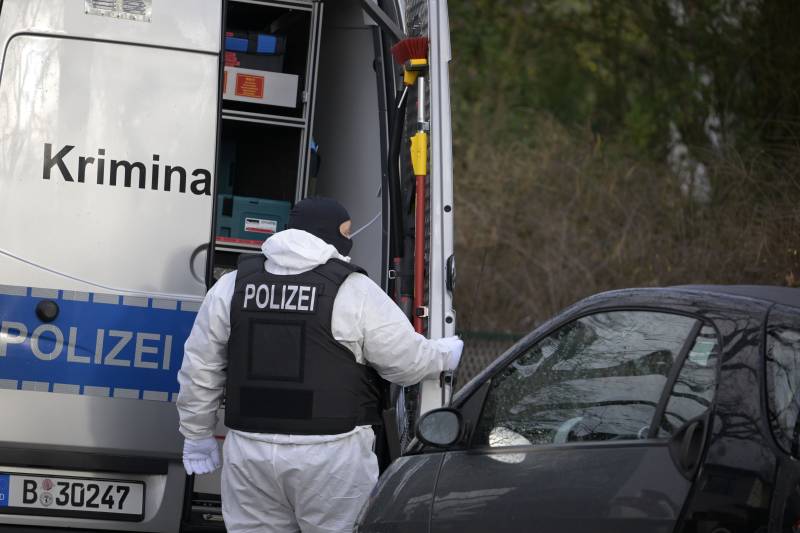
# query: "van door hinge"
{"points": [[383, 20], [422, 312]]}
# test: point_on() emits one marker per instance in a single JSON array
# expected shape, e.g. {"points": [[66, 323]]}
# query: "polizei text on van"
{"points": [[119, 172], [47, 342]]}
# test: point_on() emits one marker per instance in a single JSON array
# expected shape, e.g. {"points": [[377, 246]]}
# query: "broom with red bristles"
{"points": [[412, 54]]}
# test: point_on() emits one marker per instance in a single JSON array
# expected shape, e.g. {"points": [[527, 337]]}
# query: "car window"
{"points": [[597, 378], [693, 390], [783, 377]]}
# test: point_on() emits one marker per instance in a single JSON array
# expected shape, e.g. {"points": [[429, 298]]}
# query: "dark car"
{"points": [[641, 410]]}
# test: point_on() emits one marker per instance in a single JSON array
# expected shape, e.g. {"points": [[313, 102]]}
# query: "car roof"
{"points": [[768, 293]]}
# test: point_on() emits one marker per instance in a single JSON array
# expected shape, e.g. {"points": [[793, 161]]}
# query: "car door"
{"points": [[597, 426]]}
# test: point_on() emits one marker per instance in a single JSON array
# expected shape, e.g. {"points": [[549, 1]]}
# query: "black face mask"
{"points": [[322, 217]]}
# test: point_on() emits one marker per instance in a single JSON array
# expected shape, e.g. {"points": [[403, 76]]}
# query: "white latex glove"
{"points": [[455, 346], [200, 456]]}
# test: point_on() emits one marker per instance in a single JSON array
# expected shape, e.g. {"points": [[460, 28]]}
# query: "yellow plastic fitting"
{"points": [[419, 153], [417, 65], [412, 69], [409, 77]]}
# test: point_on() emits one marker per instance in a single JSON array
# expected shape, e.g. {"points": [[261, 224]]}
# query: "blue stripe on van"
{"points": [[99, 345]]}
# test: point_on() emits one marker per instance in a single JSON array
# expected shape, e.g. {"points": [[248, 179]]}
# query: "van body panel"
{"points": [[68, 99], [124, 263], [88, 131], [174, 23]]}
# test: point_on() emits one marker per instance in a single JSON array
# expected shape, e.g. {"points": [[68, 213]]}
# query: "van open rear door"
{"points": [[441, 268], [429, 18], [107, 153]]}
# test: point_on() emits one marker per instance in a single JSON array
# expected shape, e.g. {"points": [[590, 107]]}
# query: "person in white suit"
{"points": [[298, 338]]}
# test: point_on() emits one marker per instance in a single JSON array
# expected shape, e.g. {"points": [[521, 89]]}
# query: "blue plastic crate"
{"points": [[266, 44], [236, 44], [254, 42], [243, 218]]}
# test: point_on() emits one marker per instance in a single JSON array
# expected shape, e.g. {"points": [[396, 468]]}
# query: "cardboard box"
{"points": [[260, 87]]}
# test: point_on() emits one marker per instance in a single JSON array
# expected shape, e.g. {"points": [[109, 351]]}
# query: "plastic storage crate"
{"points": [[248, 220]]}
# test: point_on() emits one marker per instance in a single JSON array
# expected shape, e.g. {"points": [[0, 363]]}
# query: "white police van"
{"points": [[130, 130]]}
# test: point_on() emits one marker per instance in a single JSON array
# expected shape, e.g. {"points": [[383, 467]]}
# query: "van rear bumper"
{"points": [[37, 529], [67, 460]]}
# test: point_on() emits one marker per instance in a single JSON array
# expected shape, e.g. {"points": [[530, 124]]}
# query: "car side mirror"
{"points": [[440, 427]]}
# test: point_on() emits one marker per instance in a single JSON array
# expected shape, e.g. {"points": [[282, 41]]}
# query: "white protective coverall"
{"points": [[309, 483]]}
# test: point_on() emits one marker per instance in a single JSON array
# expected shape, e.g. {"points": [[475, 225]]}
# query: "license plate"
{"points": [[71, 497]]}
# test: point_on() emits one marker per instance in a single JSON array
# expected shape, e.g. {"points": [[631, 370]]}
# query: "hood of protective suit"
{"points": [[322, 217], [293, 251]]}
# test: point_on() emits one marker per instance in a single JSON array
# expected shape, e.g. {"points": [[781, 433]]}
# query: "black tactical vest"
{"points": [[286, 372]]}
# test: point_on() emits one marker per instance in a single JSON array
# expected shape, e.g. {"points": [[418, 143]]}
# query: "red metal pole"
{"points": [[419, 253]]}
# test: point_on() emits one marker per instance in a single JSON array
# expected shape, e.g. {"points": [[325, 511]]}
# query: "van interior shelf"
{"points": [[224, 244], [279, 120], [297, 4], [274, 120], [270, 63]]}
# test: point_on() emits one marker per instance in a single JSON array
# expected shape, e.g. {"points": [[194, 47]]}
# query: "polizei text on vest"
{"points": [[279, 297], [83, 169]]}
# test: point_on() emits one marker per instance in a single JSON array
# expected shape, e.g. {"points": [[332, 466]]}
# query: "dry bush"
{"points": [[541, 226]]}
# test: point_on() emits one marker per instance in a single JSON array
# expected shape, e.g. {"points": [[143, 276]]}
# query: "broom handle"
{"points": [[419, 253], [421, 103], [419, 224]]}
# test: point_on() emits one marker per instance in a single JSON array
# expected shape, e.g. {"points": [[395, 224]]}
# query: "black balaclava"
{"points": [[322, 217]]}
